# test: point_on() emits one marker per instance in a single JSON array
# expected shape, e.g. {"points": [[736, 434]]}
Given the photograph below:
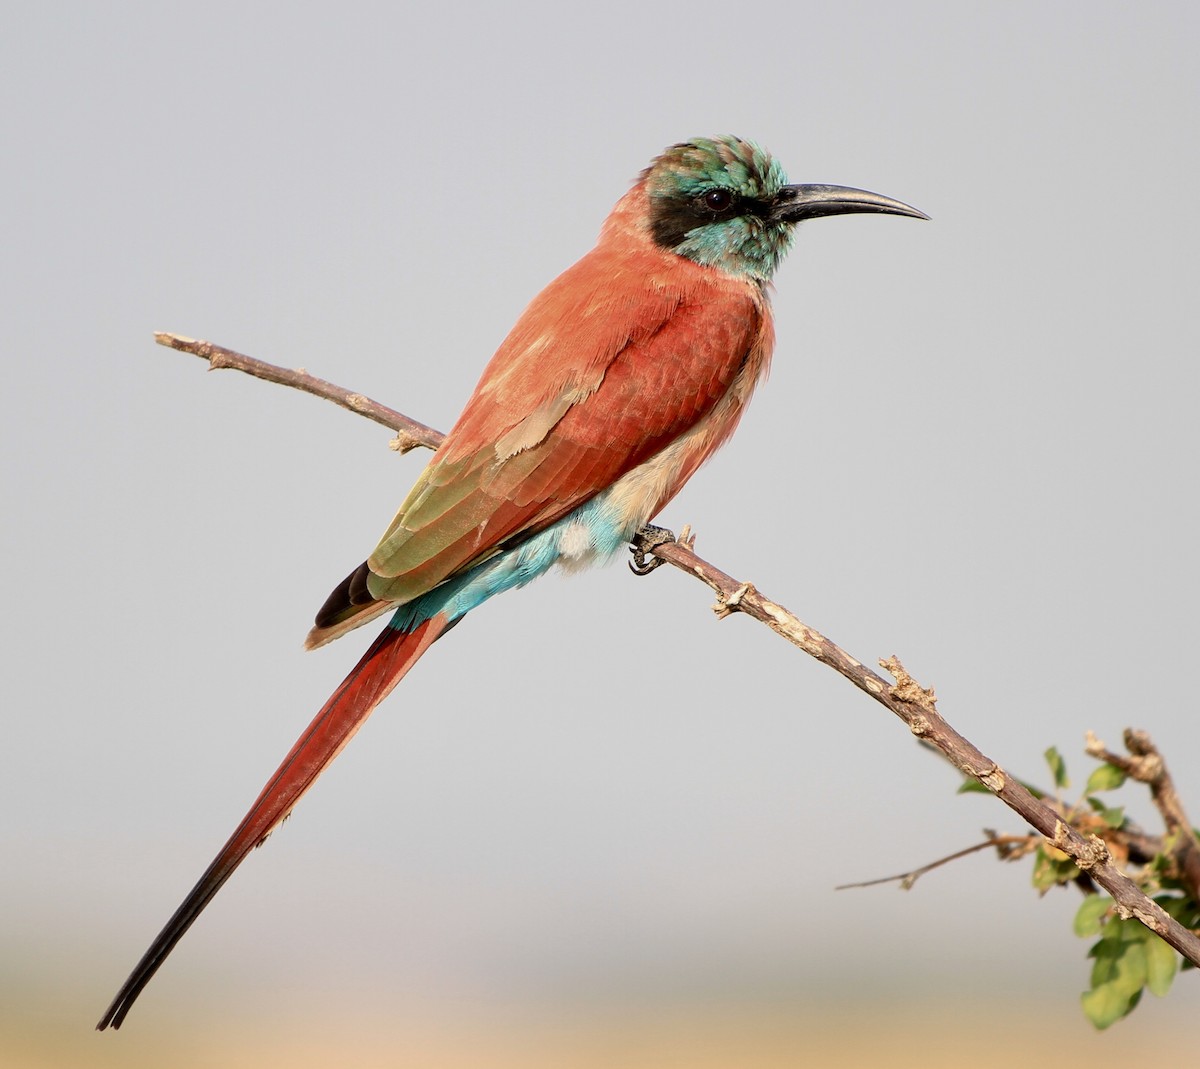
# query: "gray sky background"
{"points": [[976, 451]]}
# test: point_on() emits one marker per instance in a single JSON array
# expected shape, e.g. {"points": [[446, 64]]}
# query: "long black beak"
{"points": [[794, 203]]}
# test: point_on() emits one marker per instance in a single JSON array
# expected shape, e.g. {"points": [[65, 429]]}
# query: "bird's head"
{"points": [[725, 203]]}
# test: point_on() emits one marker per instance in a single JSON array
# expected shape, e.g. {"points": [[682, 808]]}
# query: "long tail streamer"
{"points": [[383, 666]]}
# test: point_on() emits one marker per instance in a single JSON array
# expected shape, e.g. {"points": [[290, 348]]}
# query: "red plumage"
{"points": [[616, 358], [621, 378], [381, 668]]}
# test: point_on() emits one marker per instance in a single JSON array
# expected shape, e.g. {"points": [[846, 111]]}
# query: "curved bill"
{"points": [[795, 203]]}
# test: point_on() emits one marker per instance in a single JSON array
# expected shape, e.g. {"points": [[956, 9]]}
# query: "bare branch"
{"points": [[409, 433], [1008, 848], [909, 701]]}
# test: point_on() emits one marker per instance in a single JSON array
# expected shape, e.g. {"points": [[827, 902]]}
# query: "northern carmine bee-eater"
{"points": [[619, 380]]}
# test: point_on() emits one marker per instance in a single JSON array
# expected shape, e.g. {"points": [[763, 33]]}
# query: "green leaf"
{"points": [[1160, 864], [1090, 915], [972, 786], [1058, 767], [1119, 957], [1105, 778], [1174, 905], [1131, 964], [1105, 1005], [1161, 965], [1124, 961], [1049, 871], [1104, 957], [1183, 909], [1114, 817], [1114, 996]]}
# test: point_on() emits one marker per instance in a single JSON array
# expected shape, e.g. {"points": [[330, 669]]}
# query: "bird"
{"points": [[617, 382]]}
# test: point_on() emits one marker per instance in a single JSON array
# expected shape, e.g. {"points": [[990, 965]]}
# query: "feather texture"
{"points": [[617, 382], [620, 356]]}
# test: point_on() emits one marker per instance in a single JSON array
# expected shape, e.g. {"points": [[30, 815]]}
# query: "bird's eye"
{"points": [[717, 200]]}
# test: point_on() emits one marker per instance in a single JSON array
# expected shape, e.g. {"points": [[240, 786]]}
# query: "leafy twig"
{"points": [[1146, 765]]}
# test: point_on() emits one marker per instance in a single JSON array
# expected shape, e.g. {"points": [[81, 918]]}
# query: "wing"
{"points": [[610, 363]]}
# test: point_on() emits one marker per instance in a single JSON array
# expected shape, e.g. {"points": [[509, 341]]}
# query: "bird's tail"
{"points": [[391, 655]]}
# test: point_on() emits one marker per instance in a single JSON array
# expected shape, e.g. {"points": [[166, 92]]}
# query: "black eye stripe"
{"points": [[715, 203], [673, 218]]}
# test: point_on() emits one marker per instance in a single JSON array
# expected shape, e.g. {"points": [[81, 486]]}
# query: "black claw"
{"points": [[646, 541], [640, 565]]}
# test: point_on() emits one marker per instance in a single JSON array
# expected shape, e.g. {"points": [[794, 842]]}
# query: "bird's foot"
{"points": [[647, 539]]}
